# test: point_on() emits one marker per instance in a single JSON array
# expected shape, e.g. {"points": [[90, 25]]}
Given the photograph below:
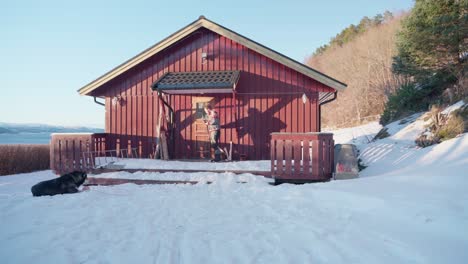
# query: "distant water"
{"points": [[25, 138]]}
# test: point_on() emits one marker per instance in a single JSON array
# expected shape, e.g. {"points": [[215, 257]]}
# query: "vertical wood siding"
{"points": [[263, 106]]}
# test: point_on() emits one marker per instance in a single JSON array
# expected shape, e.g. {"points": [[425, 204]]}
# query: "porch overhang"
{"points": [[207, 82]]}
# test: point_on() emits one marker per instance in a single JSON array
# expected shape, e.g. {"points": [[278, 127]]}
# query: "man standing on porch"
{"points": [[212, 121]]}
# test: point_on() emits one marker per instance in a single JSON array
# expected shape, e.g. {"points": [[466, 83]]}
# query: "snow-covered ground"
{"points": [[409, 206], [263, 165]]}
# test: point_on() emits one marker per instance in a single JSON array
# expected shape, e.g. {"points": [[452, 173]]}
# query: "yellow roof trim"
{"points": [[203, 22]]}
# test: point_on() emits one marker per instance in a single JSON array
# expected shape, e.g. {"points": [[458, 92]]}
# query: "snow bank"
{"points": [[398, 153], [403, 219], [391, 157], [453, 107], [264, 165], [408, 129], [356, 135], [201, 177]]}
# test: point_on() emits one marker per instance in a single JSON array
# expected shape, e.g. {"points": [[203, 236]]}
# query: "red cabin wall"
{"points": [[269, 98]]}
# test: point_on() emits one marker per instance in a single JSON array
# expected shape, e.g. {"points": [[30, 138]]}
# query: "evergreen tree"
{"points": [[387, 15], [351, 32], [434, 38]]}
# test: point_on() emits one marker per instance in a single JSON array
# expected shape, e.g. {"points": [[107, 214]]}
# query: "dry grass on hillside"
{"points": [[365, 64], [23, 158]]}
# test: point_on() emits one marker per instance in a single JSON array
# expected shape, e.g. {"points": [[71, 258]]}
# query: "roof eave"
{"points": [[121, 68]]}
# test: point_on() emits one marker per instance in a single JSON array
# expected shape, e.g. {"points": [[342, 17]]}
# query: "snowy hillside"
{"points": [[398, 153], [409, 206]]}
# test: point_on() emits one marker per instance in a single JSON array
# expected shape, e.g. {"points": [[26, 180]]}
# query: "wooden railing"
{"points": [[66, 151], [302, 157], [87, 151]]}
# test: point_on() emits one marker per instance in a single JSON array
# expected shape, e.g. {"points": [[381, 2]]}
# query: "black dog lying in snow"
{"points": [[67, 183]]}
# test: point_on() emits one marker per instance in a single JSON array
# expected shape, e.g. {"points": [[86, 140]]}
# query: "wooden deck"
{"points": [[295, 157]]}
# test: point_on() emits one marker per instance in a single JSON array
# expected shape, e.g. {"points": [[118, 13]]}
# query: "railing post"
{"points": [[315, 159], [272, 154], [279, 157], [288, 157], [60, 156], [332, 159], [307, 157], [297, 151]]}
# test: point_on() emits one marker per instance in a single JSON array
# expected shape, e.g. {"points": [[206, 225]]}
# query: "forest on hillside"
{"points": [[397, 64]]}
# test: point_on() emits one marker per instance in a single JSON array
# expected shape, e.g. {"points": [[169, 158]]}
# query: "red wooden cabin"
{"points": [[256, 91]]}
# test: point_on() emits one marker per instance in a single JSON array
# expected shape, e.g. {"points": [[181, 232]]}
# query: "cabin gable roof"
{"points": [[202, 22]]}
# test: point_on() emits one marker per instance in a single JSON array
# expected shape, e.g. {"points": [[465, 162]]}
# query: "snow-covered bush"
{"points": [[453, 127], [427, 139], [445, 124]]}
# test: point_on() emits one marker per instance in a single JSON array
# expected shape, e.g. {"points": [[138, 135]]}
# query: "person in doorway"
{"points": [[212, 121]]}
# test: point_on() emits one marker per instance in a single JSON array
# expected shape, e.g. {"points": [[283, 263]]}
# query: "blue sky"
{"points": [[49, 49]]}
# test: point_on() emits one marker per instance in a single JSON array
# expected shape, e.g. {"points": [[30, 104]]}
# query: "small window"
{"points": [[200, 111]]}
